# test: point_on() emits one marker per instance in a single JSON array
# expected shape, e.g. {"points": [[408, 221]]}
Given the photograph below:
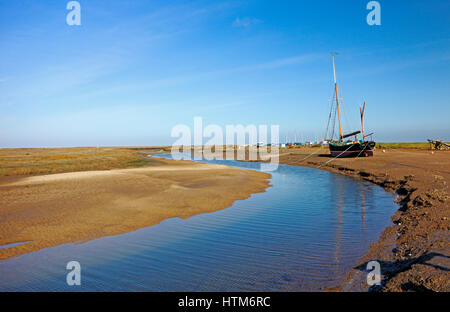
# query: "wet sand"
{"points": [[50, 210], [414, 252]]}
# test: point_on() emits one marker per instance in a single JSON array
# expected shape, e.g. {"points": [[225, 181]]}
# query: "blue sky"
{"points": [[134, 69]]}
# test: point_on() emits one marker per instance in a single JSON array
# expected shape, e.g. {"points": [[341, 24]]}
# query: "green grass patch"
{"points": [[414, 145]]}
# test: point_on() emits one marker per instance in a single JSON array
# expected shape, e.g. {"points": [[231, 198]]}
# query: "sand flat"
{"points": [[49, 178], [50, 210]]}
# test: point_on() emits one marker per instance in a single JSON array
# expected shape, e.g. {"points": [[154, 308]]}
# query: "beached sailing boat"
{"points": [[348, 148]]}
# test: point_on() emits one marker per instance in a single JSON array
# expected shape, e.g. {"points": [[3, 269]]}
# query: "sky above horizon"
{"points": [[135, 69]]}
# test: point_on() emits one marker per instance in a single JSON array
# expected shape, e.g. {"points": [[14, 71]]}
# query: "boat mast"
{"points": [[361, 110], [337, 97]]}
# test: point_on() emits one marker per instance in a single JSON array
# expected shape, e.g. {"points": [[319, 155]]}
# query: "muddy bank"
{"points": [[414, 251], [49, 210]]}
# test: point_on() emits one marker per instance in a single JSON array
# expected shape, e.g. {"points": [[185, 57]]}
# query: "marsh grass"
{"points": [[414, 145], [36, 161]]}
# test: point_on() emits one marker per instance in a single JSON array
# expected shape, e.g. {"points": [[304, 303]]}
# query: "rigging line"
{"points": [[334, 125], [298, 161], [332, 97], [331, 111], [349, 127], [363, 148], [335, 157], [329, 119], [334, 108], [342, 106]]}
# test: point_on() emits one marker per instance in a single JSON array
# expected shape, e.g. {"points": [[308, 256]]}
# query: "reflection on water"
{"points": [[304, 233], [13, 245]]}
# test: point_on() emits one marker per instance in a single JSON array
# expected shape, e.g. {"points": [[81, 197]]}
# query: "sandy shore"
{"points": [[413, 252], [50, 210]]}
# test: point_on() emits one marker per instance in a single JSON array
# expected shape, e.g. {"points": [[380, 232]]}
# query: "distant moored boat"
{"points": [[349, 148]]}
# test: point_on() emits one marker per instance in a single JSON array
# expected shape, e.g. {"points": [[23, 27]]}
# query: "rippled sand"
{"points": [[50, 210]]}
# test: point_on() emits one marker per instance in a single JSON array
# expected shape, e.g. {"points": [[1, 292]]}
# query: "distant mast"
{"points": [[337, 97]]}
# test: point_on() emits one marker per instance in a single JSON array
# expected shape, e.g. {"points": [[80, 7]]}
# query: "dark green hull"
{"points": [[352, 149]]}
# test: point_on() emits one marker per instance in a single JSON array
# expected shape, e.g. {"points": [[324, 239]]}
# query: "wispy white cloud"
{"points": [[107, 56], [401, 65], [269, 65], [167, 21], [282, 62], [198, 76], [245, 21]]}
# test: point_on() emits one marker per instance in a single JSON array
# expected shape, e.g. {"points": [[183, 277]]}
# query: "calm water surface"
{"points": [[304, 233]]}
